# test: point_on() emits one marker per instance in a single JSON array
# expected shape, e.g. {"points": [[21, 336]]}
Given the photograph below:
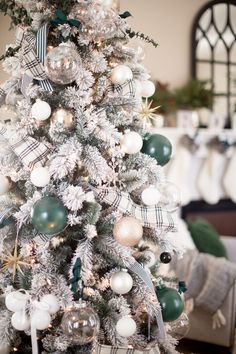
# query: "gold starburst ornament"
{"points": [[147, 113], [13, 262]]}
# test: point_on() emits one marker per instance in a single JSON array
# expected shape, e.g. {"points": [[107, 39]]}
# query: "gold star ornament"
{"points": [[14, 262], [147, 113]]}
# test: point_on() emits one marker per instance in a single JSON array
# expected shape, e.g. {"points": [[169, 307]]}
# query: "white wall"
{"points": [[6, 37], [169, 22]]}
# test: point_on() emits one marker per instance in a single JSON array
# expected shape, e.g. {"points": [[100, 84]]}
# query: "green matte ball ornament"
{"points": [[172, 305], [49, 216], [158, 147]]}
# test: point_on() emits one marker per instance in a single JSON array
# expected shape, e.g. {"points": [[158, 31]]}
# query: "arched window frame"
{"points": [[196, 26]]}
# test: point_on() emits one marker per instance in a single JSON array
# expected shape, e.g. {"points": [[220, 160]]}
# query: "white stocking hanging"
{"points": [[180, 168], [209, 180], [229, 178]]}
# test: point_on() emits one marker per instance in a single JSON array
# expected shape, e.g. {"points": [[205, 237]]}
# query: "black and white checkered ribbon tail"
{"points": [[106, 349], [41, 50], [34, 53], [127, 89], [149, 216], [30, 151], [2, 96], [41, 239], [144, 276]]}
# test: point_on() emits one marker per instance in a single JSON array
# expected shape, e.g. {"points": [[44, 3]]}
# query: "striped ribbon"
{"points": [[41, 50], [107, 349], [149, 216], [143, 274], [30, 151]]}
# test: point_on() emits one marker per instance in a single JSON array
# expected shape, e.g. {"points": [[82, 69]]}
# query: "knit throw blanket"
{"points": [[208, 278]]}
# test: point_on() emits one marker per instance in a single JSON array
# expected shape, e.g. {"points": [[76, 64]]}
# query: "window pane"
{"points": [[220, 52], [198, 34], [220, 78], [233, 17], [220, 106], [220, 16], [212, 35], [203, 50], [233, 54], [233, 79], [204, 71], [205, 20], [228, 37], [232, 105]]}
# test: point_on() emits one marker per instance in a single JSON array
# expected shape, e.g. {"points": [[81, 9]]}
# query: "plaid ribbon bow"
{"points": [[34, 53], [127, 89], [29, 150], [152, 217]]}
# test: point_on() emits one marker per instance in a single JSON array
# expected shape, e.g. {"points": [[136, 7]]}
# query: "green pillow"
{"points": [[206, 238]]}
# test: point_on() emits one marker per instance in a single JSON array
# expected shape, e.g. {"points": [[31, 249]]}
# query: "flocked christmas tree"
{"points": [[86, 213]]}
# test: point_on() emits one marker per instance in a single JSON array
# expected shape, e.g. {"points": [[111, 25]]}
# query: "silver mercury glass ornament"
{"points": [[62, 64], [80, 324]]}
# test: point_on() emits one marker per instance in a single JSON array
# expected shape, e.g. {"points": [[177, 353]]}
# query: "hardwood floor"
{"points": [[187, 346]]}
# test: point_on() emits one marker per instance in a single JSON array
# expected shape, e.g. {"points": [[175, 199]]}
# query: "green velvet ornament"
{"points": [[158, 147], [171, 303], [49, 216]]}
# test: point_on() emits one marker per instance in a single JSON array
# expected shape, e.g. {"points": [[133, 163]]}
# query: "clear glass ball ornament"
{"points": [[62, 64], [80, 324], [180, 327], [170, 196]]}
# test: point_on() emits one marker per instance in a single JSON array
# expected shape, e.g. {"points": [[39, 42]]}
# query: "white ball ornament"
{"points": [[5, 185], [40, 319], [40, 176], [121, 282], [128, 231], [126, 327], [41, 110], [131, 143], [150, 196], [148, 88], [16, 301], [20, 321], [51, 303], [120, 74]]}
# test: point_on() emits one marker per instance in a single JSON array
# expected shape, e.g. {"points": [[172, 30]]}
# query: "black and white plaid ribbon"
{"points": [[41, 239], [30, 151], [34, 53], [106, 349], [2, 95], [149, 216], [41, 49], [127, 89]]}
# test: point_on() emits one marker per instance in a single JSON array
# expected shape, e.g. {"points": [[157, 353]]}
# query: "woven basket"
{"points": [[107, 349]]}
